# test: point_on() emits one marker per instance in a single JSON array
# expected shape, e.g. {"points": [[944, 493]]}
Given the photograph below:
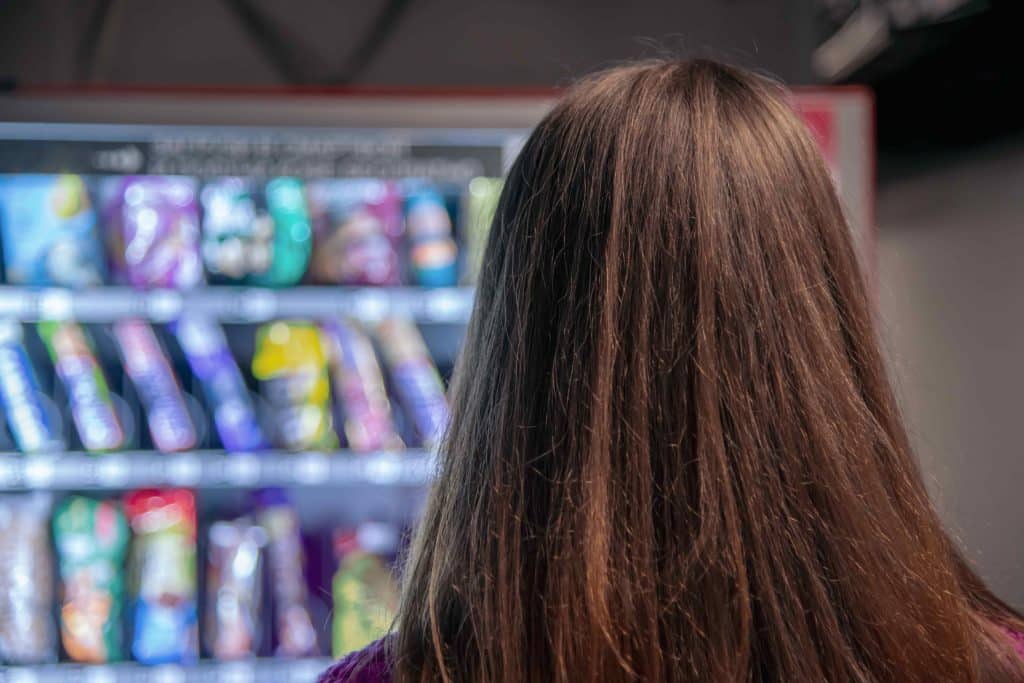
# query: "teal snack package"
{"points": [[253, 234], [293, 233]]}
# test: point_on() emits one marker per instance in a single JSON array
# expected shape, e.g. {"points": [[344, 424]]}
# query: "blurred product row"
{"points": [[178, 232], [122, 579], [287, 385]]}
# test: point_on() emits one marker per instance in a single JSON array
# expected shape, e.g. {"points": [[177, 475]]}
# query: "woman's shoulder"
{"points": [[369, 665]]}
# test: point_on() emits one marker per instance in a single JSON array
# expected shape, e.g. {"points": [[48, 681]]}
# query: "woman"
{"points": [[674, 454]]}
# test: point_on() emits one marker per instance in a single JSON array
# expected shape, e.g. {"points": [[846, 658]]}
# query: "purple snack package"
{"points": [[293, 625], [234, 415], [154, 223], [357, 229], [415, 378], [359, 384], [147, 366]]}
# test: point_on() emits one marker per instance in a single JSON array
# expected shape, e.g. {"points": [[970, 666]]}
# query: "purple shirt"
{"points": [[371, 664]]}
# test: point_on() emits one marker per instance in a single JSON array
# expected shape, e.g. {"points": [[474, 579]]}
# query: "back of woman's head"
{"points": [[674, 453]]}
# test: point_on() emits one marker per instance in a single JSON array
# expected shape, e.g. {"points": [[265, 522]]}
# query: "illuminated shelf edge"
{"points": [[247, 671], [213, 469], [236, 304]]}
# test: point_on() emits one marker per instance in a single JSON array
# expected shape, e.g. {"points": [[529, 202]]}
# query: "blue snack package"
{"points": [[146, 364], [49, 231], [30, 424], [210, 358], [164, 575], [78, 370], [415, 378], [432, 254]]}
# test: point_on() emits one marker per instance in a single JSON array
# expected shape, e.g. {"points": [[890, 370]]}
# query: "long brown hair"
{"points": [[674, 454]]}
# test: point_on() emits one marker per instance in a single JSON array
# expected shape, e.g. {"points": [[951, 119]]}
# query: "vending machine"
{"points": [[227, 323]]}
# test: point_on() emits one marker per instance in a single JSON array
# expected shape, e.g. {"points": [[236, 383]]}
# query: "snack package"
{"points": [[49, 231], [433, 254], [290, 363], [92, 409], [91, 538], [359, 385], [31, 425], [154, 231], [234, 588], [163, 580], [210, 358], [364, 588], [262, 238], [146, 364], [26, 580], [414, 378], [358, 227], [479, 207], [293, 625]]}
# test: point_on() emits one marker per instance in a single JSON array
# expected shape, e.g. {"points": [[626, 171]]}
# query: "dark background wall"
{"points": [[432, 42]]}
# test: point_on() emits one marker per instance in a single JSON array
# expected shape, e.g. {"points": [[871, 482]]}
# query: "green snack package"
{"points": [[480, 204], [91, 538], [364, 588]]}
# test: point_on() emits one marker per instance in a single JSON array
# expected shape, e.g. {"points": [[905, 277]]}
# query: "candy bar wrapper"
{"points": [[290, 363], [33, 428], [433, 253], [233, 588], [154, 224], [358, 227], [163, 575], [146, 364], [210, 358], [91, 538], [261, 238], [364, 588], [415, 378], [293, 626], [359, 385], [92, 409], [480, 205], [49, 231], [26, 580]]}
